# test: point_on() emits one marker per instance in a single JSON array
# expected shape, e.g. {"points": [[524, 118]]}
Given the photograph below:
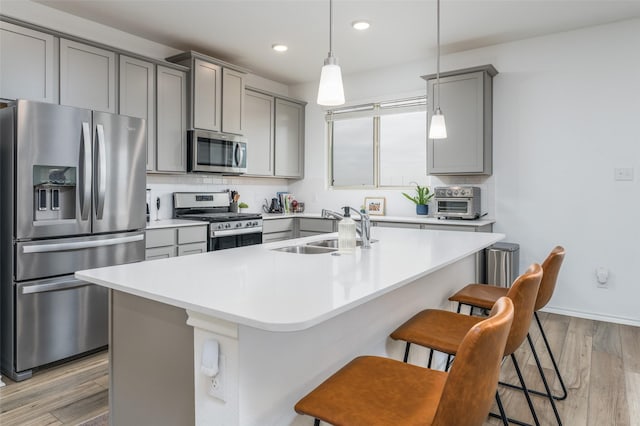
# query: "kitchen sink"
{"points": [[306, 249], [333, 243]]}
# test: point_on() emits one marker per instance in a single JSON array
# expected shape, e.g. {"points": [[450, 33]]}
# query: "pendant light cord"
{"points": [[330, 28], [438, 61]]}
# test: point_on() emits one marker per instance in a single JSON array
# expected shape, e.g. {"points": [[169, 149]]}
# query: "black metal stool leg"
{"points": [[430, 358], [544, 380], [526, 392], [553, 360], [446, 367], [503, 415], [406, 351], [316, 422]]}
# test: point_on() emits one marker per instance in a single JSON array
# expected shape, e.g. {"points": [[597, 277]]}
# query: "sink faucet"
{"points": [[363, 227]]}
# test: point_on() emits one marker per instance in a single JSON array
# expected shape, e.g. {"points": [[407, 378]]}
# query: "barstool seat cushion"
{"points": [[480, 295], [400, 394], [436, 329]]}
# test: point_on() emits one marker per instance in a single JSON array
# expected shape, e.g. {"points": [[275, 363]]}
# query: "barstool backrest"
{"points": [[550, 269], [523, 293], [471, 385]]}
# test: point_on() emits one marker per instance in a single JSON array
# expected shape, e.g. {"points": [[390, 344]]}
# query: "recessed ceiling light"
{"points": [[279, 47], [360, 25]]}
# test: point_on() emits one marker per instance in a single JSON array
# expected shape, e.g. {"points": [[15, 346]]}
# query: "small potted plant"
{"points": [[243, 205], [422, 197]]}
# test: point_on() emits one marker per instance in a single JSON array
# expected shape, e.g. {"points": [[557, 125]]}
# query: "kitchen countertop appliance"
{"points": [[457, 202], [226, 229], [73, 198]]}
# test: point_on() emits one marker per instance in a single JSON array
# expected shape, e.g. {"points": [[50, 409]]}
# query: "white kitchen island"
{"points": [[284, 321]]}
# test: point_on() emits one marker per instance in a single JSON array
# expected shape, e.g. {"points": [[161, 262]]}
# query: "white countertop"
{"points": [[406, 219], [278, 291], [172, 223]]}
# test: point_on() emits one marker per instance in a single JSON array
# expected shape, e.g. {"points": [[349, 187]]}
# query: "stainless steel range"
{"points": [[227, 229]]}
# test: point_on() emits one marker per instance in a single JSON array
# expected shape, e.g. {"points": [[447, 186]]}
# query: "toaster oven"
{"points": [[457, 202]]}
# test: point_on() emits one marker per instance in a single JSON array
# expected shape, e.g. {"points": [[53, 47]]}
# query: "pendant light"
{"points": [[330, 91], [438, 128]]}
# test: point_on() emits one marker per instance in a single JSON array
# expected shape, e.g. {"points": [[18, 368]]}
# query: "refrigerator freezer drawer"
{"points": [[48, 258], [58, 318]]}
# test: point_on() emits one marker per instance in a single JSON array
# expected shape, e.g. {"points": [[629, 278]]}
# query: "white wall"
{"points": [[566, 113]]}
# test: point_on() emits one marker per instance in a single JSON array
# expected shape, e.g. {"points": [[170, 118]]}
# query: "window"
{"points": [[378, 145]]}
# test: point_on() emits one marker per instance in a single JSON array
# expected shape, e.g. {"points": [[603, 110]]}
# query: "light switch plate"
{"points": [[623, 173]]}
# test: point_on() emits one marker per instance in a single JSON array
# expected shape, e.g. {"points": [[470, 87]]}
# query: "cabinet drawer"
{"points": [[277, 225], [277, 236], [194, 248], [161, 237], [398, 225], [192, 234], [316, 225], [160, 253]]}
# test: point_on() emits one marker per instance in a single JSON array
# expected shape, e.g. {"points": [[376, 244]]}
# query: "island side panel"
{"points": [[151, 363], [277, 369]]}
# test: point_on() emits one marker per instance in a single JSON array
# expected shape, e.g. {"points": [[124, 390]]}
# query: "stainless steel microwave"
{"points": [[216, 152]]}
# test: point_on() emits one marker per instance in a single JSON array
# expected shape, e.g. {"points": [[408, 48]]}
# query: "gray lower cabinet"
{"points": [[312, 226], [397, 225], [171, 106], [138, 97], [87, 76], [259, 117], [170, 242], [28, 64], [278, 229], [289, 139], [466, 101]]}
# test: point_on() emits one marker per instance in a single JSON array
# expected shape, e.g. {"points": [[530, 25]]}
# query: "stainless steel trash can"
{"points": [[503, 260]]}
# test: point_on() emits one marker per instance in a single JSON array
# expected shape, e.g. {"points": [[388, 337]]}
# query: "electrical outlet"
{"points": [[623, 173], [217, 385], [602, 277]]}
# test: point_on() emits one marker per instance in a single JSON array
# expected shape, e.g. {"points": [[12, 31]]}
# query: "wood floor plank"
{"points": [[575, 367], [630, 339], [607, 396], [46, 419], [84, 408], [633, 396], [606, 338]]}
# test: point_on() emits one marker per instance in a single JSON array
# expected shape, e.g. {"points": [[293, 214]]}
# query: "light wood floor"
{"points": [[600, 364]]}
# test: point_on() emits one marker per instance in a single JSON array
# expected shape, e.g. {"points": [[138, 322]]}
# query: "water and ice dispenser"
{"points": [[54, 192]]}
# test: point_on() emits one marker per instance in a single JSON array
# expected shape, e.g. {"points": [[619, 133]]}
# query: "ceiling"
{"points": [[243, 31]]}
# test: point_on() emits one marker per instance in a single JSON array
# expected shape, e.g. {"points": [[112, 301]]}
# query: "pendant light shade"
{"points": [[438, 128], [330, 90]]}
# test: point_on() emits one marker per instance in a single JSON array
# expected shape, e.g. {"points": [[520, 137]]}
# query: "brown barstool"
{"points": [[443, 330], [484, 296], [376, 391]]}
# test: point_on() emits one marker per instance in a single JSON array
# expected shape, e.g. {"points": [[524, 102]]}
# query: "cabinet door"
{"points": [[289, 139], [27, 69], [171, 149], [461, 101], [207, 95], [259, 121], [138, 97], [87, 77], [232, 101]]}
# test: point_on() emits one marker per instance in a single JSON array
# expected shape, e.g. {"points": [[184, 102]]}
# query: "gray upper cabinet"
{"points": [[216, 93], [87, 76], [289, 139], [171, 106], [259, 117], [138, 97], [233, 101], [466, 100], [207, 95], [28, 64]]}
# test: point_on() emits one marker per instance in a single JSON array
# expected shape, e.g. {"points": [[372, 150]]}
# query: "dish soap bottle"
{"points": [[346, 233]]}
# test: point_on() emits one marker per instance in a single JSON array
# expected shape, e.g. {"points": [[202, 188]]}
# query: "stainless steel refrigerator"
{"points": [[73, 197]]}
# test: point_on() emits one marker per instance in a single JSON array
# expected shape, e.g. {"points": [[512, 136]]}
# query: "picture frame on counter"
{"points": [[374, 206]]}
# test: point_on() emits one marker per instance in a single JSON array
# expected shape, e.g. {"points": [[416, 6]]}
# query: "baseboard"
{"points": [[592, 316]]}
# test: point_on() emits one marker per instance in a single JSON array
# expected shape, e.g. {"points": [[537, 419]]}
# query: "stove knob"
{"points": [[248, 224], [239, 225], [448, 192], [227, 225], [256, 223]]}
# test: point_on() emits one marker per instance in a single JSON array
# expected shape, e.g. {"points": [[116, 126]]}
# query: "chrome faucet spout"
{"points": [[363, 227]]}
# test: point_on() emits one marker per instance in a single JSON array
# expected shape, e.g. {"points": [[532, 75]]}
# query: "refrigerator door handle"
{"points": [[79, 245], [85, 179], [101, 183], [63, 284]]}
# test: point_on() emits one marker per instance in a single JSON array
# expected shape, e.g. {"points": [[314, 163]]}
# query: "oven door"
{"points": [[221, 240], [453, 207]]}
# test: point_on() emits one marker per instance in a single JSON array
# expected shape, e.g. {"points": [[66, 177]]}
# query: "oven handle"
{"points": [[237, 231]]}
